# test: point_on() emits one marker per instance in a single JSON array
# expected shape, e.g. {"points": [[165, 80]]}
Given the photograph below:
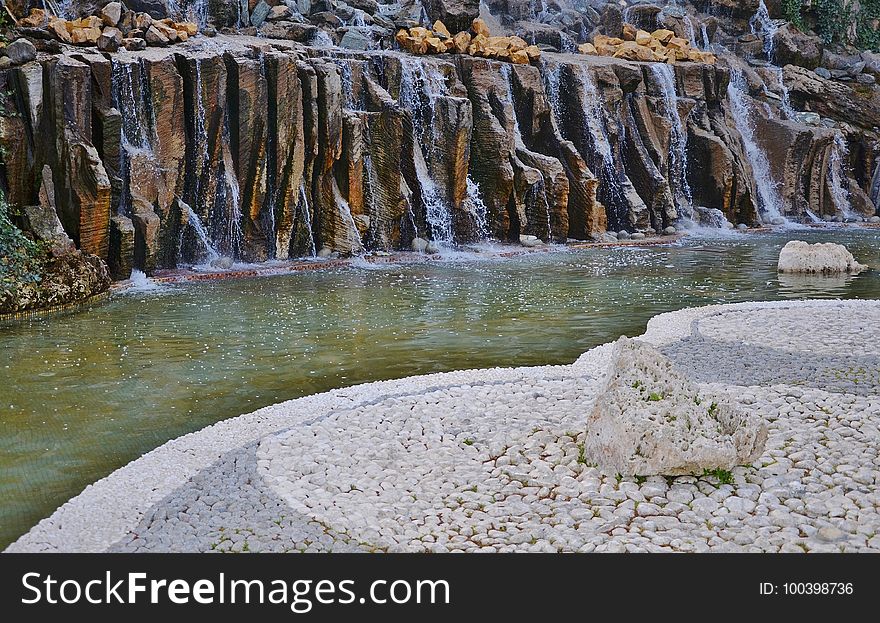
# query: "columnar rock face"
{"points": [[259, 149], [649, 419]]}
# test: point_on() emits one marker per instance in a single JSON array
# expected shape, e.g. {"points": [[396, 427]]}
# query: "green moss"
{"points": [[723, 476], [22, 260]]}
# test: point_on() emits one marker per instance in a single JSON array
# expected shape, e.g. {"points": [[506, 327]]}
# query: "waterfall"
{"points": [[838, 176], [678, 158], [321, 40], [481, 212], [197, 12], [63, 8], [307, 219], [132, 107], [597, 142], [420, 87], [763, 26], [769, 200], [552, 79], [357, 243], [193, 220]]}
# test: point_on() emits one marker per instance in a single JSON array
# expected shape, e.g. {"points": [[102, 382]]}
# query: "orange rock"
{"points": [[587, 48], [480, 28], [190, 28], [478, 45], [606, 40], [461, 41], [37, 19], [629, 32], [435, 45], [402, 37], [58, 27], [518, 43], [533, 52], [663, 35], [643, 37], [441, 30], [520, 57]]}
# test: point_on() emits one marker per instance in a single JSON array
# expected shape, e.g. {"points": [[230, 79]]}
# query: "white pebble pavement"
{"points": [[491, 460]]}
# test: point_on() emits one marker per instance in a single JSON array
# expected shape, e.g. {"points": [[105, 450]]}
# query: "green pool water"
{"points": [[84, 393]]}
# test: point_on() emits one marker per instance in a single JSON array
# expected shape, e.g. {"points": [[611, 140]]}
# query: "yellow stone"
{"points": [[643, 37], [663, 35], [587, 48], [441, 30], [480, 28]]}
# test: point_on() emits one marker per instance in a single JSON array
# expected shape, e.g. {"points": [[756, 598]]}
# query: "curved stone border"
{"points": [[106, 510]]}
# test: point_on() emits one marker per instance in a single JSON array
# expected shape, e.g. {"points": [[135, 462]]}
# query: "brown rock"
{"points": [[112, 13], [192, 29], [155, 37], [630, 32], [534, 52], [677, 43], [110, 40], [520, 57], [479, 27], [441, 31], [587, 48], [643, 37], [461, 41], [134, 44], [58, 27], [663, 35], [37, 19]]}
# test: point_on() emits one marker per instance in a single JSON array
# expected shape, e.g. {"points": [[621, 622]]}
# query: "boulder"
{"points": [[793, 47], [21, 51], [37, 18], [457, 15], [155, 37], [825, 258], [110, 40], [112, 13], [650, 419]]}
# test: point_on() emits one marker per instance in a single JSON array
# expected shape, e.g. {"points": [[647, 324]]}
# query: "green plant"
{"points": [[723, 476], [468, 442], [22, 260], [582, 456], [655, 397], [791, 9]]}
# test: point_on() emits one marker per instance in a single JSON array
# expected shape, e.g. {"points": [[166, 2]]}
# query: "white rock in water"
{"points": [[824, 257], [649, 419]]}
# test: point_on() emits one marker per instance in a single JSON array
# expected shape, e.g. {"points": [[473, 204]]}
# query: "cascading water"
{"points": [[763, 26], [307, 219], [131, 106], [481, 212], [507, 74], [420, 86], [678, 158], [770, 202], [193, 220], [197, 12], [321, 40], [837, 176], [595, 133], [62, 8]]}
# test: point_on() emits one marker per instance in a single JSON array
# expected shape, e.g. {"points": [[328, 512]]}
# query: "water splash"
{"points": [[769, 200], [64, 9], [678, 156]]}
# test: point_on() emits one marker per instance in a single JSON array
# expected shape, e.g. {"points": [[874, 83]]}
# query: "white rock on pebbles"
{"points": [[649, 419]]}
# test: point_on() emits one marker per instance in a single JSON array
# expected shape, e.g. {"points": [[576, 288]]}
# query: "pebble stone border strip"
{"points": [[110, 508]]}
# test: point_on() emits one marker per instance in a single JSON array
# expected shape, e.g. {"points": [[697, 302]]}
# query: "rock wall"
{"points": [[253, 148]]}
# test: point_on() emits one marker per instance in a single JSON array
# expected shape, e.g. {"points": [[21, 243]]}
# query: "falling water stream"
{"points": [[678, 157], [770, 202]]}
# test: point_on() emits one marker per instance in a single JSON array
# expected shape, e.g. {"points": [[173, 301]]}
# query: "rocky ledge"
{"points": [[275, 132], [495, 460]]}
